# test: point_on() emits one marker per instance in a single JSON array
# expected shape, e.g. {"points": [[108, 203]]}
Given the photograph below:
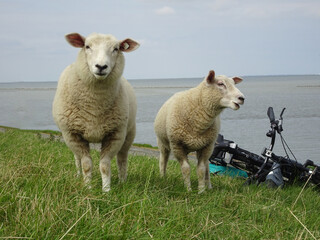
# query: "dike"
{"points": [[134, 150]]}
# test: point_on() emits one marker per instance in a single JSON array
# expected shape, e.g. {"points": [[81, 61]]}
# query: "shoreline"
{"points": [[184, 78]]}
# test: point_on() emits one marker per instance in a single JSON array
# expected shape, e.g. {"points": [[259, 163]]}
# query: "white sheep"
{"points": [[94, 103], [189, 121]]}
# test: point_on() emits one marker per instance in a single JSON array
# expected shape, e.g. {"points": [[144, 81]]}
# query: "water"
{"points": [[28, 106]]}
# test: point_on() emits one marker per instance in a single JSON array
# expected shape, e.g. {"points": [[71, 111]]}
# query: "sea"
{"points": [[28, 105]]}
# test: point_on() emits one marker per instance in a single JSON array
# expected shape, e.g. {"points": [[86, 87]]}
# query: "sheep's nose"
{"points": [[241, 98], [101, 68]]}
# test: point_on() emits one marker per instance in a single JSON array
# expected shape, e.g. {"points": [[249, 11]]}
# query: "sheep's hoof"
{"points": [[88, 186], [122, 179], [106, 189], [162, 174], [201, 190], [87, 183]]}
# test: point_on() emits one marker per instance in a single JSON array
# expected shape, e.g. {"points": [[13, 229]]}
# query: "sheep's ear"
{"points": [[237, 80], [75, 39], [210, 77], [128, 45]]}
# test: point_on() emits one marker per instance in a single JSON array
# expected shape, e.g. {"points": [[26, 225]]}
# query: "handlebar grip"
{"points": [[271, 114]]}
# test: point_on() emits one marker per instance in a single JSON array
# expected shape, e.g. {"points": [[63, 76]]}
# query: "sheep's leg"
{"points": [[122, 162], [81, 151], [78, 164], [109, 148], [182, 158], [86, 164], [122, 157], [207, 177], [203, 169], [105, 170], [164, 156]]}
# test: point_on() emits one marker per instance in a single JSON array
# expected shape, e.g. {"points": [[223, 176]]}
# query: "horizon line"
{"points": [[134, 79]]}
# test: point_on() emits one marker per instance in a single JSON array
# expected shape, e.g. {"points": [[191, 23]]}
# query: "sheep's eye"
{"points": [[116, 50], [220, 84], [87, 47]]}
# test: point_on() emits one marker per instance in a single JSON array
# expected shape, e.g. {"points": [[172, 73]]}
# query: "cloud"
{"points": [[165, 10]]}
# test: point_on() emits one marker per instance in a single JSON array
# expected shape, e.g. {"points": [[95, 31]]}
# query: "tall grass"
{"points": [[41, 198]]}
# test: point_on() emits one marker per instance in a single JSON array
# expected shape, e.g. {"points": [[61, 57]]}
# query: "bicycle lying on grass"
{"points": [[268, 167]]}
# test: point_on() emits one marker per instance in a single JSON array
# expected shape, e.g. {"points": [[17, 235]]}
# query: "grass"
{"points": [[144, 145], [52, 132], [41, 198]]}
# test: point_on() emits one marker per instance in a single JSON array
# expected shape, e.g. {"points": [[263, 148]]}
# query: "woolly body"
{"points": [[96, 104], [189, 121]]}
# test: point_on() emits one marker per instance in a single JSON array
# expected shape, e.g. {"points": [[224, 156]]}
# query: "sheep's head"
{"points": [[230, 96], [102, 52]]}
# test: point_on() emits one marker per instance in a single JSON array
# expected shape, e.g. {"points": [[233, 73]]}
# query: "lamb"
{"points": [[95, 104], [190, 121]]}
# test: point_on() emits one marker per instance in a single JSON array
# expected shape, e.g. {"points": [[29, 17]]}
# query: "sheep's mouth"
{"points": [[237, 105], [101, 74]]}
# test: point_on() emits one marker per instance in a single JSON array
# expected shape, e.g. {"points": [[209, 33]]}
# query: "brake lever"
{"points": [[280, 128], [282, 113]]}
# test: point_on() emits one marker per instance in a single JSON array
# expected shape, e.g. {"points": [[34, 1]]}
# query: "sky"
{"points": [[179, 38]]}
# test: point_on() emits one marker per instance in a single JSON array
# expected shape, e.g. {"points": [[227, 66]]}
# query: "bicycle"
{"points": [[268, 167]]}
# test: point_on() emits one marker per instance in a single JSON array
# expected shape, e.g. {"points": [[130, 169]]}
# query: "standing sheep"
{"points": [[189, 121], [94, 103]]}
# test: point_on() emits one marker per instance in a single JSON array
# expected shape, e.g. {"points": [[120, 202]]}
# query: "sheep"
{"points": [[95, 104], [190, 121]]}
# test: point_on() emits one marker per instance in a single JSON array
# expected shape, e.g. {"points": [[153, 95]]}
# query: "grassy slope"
{"points": [[41, 198]]}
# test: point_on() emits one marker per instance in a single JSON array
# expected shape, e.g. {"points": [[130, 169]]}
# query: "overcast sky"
{"points": [[179, 38]]}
